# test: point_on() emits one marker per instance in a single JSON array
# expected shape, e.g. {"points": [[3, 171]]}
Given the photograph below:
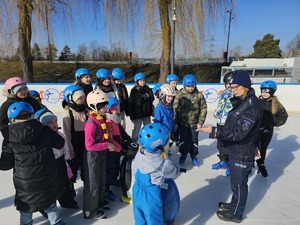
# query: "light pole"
{"points": [[230, 19], [173, 38]]}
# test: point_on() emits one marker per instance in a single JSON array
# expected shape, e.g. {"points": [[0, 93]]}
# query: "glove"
{"points": [[73, 168]]}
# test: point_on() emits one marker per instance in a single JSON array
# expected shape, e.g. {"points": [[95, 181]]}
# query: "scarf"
{"points": [[162, 100], [101, 119]]}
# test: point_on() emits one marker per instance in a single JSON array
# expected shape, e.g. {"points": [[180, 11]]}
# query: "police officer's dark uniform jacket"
{"points": [[240, 131]]}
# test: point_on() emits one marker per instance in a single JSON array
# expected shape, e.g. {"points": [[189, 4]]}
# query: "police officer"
{"points": [[238, 137]]}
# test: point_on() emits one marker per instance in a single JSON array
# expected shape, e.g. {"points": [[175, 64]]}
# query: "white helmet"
{"points": [[166, 89], [96, 97]]}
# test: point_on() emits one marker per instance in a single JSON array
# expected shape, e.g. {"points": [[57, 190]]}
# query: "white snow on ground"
{"points": [[273, 201]]}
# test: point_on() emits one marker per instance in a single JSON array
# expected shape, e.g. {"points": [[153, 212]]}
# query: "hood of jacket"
{"points": [[23, 132], [148, 162]]}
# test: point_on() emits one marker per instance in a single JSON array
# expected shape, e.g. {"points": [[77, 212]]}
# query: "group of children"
{"points": [[93, 134]]}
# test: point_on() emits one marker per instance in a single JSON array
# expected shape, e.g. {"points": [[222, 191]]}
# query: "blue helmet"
{"points": [[269, 84], [156, 88], [17, 108], [70, 90], [103, 73], [39, 113], [118, 74], [139, 76], [171, 77], [153, 135], [112, 101], [189, 80], [34, 93], [80, 72]]}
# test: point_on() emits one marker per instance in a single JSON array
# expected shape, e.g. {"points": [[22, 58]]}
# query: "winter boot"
{"points": [[224, 206], [110, 195], [262, 169], [219, 165], [222, 164], [226, 216], [195, 162]]}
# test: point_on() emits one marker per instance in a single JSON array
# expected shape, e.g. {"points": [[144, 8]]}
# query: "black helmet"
{"points": [[228, 76]]}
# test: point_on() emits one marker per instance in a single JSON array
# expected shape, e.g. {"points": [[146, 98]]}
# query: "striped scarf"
{"points": [[101, 119]]}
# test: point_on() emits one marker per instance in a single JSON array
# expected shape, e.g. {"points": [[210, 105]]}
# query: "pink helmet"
{"points": [[95, 97], [13, 81]]}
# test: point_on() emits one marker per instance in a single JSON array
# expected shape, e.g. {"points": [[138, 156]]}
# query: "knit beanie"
{"points": [[241, 78], [77, 94], [47, 117]]}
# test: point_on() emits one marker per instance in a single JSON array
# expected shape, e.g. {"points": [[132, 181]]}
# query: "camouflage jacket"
{"points": [[190, 109]]}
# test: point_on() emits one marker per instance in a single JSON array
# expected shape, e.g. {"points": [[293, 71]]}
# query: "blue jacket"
{"points": [[165, 116], [238, 137]]}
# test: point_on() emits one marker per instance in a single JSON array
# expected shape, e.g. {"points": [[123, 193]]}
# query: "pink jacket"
{"points": [[90, 137]]}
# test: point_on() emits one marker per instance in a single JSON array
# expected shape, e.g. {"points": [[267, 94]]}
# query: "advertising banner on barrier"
{"points": [[52, 94]]}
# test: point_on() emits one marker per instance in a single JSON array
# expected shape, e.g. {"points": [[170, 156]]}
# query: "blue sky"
{"points": [[252, 20]]}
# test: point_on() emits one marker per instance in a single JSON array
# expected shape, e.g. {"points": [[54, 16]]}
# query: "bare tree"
{"points": [[82, 52], [25, 15], [293, 46], [126, 17]]}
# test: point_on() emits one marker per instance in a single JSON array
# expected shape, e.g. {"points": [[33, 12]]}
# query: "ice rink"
{"points": [[272, 201]]}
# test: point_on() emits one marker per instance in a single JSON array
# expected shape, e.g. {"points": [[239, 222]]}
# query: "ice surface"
{"points": [[272, 201]]}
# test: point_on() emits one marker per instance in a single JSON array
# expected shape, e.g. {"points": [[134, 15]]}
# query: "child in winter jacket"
{"points": [[16, 90], [123, 97], [119, 135], [190, 112], [141, 104], [150, 168], [74, 120], [274, 115], [47, 118], [27, 149], [164, 112], [97, 145], [221, 114]]}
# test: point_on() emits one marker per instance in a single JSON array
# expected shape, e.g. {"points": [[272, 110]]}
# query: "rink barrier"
{"points": [[52, 94]]}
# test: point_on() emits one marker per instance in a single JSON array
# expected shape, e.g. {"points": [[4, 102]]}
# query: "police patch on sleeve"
{"points": [[246, 124]]}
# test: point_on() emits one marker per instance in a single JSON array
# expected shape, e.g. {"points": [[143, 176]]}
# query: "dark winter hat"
{"points": [[241, 78]]}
